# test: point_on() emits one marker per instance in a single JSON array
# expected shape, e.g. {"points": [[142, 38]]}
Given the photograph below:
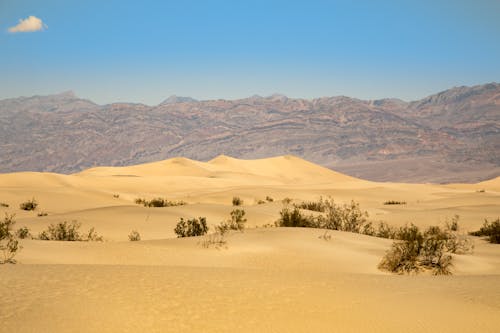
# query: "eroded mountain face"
{"points": [[450, 136]]}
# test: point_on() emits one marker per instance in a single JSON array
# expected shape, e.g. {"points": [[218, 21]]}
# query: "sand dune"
{"points": [[266, 279]]}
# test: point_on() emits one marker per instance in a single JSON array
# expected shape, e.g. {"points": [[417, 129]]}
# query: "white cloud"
{"points": [[30, 24]]}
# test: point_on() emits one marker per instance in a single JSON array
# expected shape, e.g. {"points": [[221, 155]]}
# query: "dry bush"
{"points": [[9, 245], [386, 231], [491, 230], [134, 236], [316, 206], [394, 202], [237, 201], [269, 199], [325, 236], [261, 202], [41, 214], [159, 202], [68, 231], [29, 205], [23, 233], [294, 218], [237, 222], [191, 227], [3, 204], [346, 217], [216, 240]]}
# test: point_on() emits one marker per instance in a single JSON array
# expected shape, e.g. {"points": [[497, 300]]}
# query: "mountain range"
{"points": [[452, 136]]}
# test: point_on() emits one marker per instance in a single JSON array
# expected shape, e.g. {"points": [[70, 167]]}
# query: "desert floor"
{"points": [[265, 279]]}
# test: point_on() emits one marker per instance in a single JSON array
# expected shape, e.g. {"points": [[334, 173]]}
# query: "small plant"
{"points": [[9, 245], [134, 236], [237, 201], [29, 205], [261, 202], [286, 201], [41, 214], [317, 206], [269, 199], [237, 222], [347, 217], [158, 202], [325, 236], [215, 239], [116, 196], [23, 233], [394, 202], [386, 231], [481, 191], [294, 218], [68, 231], [192, 227], [3, 204], [490, 230]]}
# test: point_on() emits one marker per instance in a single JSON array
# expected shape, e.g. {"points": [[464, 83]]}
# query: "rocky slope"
{"points": [[451, 136]]}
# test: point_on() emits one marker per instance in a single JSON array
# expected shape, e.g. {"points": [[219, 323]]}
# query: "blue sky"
{"points": [[144, 51]]}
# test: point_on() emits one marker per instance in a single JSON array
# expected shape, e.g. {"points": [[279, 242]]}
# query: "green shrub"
{"points": [[29, 205], [134, 236], [68, 231], [192, 227], [237, 201], [23, 233], [491, 230], [9, 245]]}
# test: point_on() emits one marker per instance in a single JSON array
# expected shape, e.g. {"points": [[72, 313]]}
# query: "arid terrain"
{"points": [[265, 279], [452, 136]]}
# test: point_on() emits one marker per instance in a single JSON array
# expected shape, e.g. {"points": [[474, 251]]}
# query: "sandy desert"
{"points": [[265, 279]]}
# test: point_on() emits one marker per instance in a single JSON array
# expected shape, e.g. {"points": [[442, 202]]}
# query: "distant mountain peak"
{"points": [[174, 99]]}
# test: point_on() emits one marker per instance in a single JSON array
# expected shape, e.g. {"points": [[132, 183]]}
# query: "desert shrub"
{"points": [[23, 233], [158, 202], [394, 202], [3, 204], [414, 251], [68, 231], [237, 201], [453, 223], [368, 229], [237, 222], [116, 196], [29, 205], [261, 202], [134, 236], [269, 199], [386, 231], [41, 214], [346, 217], [286, 201], [192, 227], [294, 218], [325, 236], [9, 244], [317, 206], [490, 230]]}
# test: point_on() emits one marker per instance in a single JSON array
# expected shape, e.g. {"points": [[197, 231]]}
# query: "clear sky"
{"points": [[144, 51]]}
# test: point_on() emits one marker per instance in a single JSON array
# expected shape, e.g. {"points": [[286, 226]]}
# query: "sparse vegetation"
{"points": [[116, 196], [41, 214], [294, 218], [237, 222], [237, 201], [191, 227], [269, 199], [158, 202], [261, 202], [347, 217], [286, 201], [215, 239], [490, 230], [325, 236], [134, 236], [3, 204], [29, 205], [23, 233], [68, 231], [415, 251], [317, 206], [394, 202], [9, 244]]}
